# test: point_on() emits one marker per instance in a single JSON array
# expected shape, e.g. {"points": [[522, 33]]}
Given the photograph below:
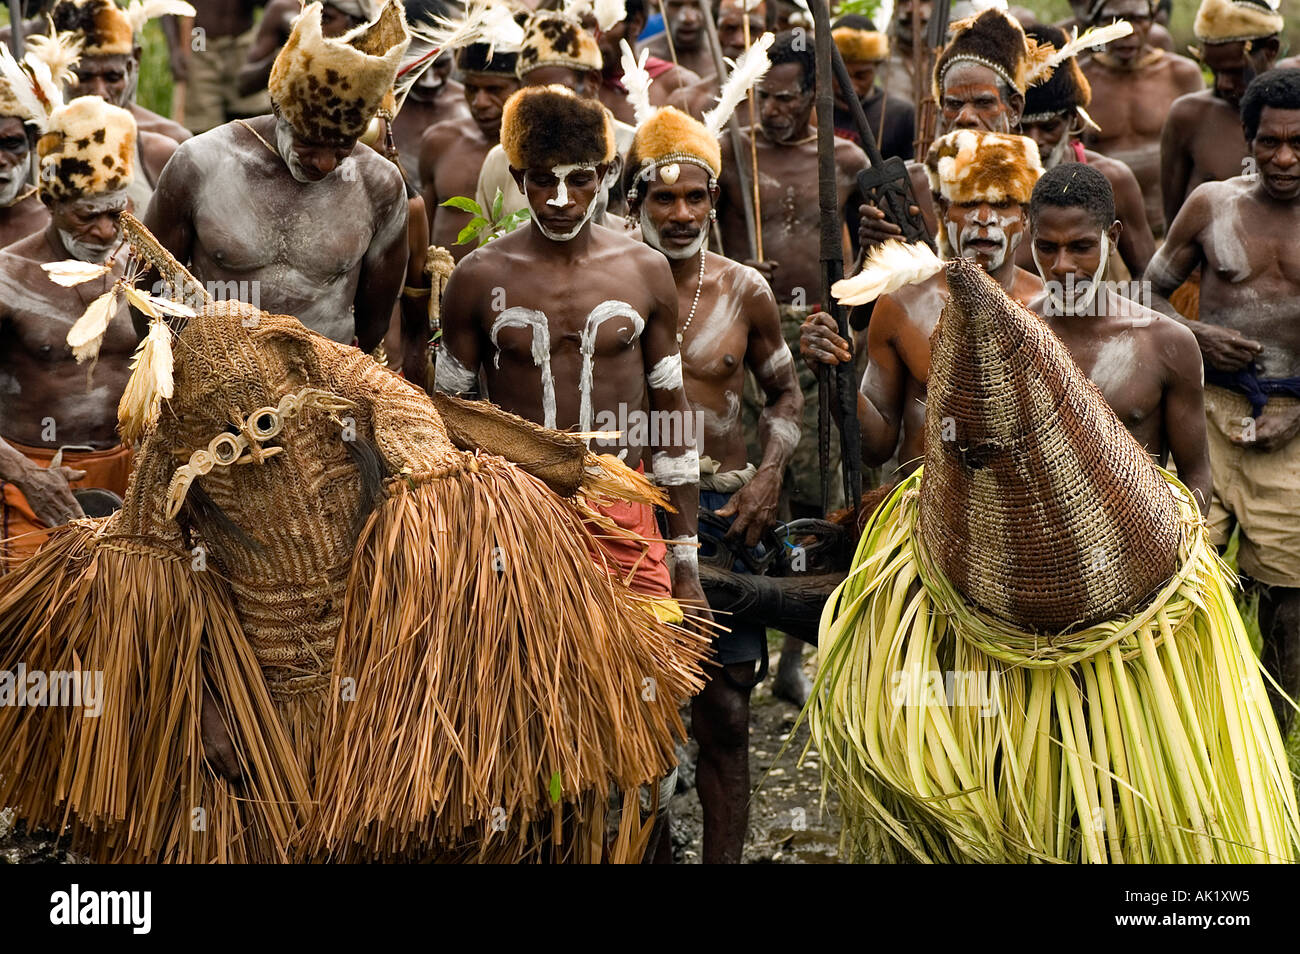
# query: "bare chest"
{"points": [[1131, 105], [41, 319]]}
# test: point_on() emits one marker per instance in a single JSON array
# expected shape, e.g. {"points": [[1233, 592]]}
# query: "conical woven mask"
{"points": [[1036, 502]]}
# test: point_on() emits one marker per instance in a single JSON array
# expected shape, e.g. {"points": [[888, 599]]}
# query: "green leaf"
{"points": [[464, 203], [555, 787], [475, 226], [496, 205]]}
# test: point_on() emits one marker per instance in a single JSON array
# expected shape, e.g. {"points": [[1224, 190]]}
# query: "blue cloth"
{"points": [[653, 27], [1247, 382]]}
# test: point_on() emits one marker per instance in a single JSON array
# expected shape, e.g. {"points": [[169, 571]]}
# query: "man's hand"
{"points": [[754, 506], [874, 229], [820, 343], [1224, 348], [767, 269], [217, 746], [48, 492], [180, 64], [1273, 430]]}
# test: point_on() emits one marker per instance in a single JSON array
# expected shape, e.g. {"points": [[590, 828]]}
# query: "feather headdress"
{"points": [[35, 86], [140, 12], [608, 13], [1092, 37], [486, 23], [751, 67]]}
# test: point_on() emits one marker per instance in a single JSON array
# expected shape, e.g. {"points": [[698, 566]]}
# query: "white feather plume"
{"points": [[59, 52], [1092, 37], [151, 383], [748, 70], [23, 89], [485, 21], [140, 12], [888, 268], [637, 81], [85, 337], [609, 13]]}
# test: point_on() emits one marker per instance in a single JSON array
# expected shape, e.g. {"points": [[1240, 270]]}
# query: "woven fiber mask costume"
{"points": [[1036, 655], [403, 637]]}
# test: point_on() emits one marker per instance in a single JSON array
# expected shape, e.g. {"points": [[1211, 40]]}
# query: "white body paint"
{"points": [[684, 550], [450, 376], [785, 433], [598, 316], [535, 321], [780, 360], [676, 471], [666, 375]]}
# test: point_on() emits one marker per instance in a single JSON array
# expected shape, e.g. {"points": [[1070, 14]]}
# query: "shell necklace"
{"points": [[695, 303]]}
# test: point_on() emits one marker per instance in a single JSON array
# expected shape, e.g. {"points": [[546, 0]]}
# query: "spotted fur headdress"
{"points": [[87, 149], [327, 89], [1225, 21], [107, 29], [555, 39]]}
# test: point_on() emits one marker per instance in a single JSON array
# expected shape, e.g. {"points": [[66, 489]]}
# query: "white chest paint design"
{"points": [[598, 316], [535, 321]]}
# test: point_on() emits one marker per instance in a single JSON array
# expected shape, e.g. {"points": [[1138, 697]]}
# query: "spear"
{"points": [[832, 259], [753, 146], [737, 145], [16, 38]]}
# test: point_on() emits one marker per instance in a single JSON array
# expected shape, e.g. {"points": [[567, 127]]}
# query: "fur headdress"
{"points": [[547, 126], [87, 149], [667, 136], [974, 166], [328, 90], [859, 41], [1067, 89], [107, 29], [1224, 21], [995, 40], [553, 39]]}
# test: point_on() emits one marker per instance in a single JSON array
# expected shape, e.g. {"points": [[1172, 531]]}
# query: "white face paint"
{"points": [[653, 239], [994, 232], [86, 251], [13, 181], [1076, 298], [284, 145], [594, 208], [1057, 155]]}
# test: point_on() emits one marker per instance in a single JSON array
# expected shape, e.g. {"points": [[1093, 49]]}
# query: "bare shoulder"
{"points": [[32, 248], [157, 148], [442, 134], [745, 282], [849, 155], [1183, 68], [616, 242], [1117, 173], [382, 177], [1190, 107], [915, 303]]}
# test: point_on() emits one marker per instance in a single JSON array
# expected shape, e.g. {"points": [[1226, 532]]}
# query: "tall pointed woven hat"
{"points": [[1036, 503]]}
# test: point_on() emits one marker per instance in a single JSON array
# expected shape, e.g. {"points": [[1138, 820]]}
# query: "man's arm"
{"points": [[768, 356], [430, 148], [415, 297], [383, 265], [272, 32], [46, 488], [1184, 414], [1136, 243], [460, 347], [676, 467], [1175, 159], [1221, 347]]}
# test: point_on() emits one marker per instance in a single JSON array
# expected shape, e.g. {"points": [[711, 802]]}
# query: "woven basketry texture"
{"points": [[1036, 502]]}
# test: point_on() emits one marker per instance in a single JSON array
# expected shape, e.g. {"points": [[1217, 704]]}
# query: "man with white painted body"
{"points": [[1134, 84], [572, 325], [556, 50], [1241, 233], [979, 79], [48, 399], [1146, 365], [21, 210], [287, 207], [985, 225], [728, 323], [1055, 116]]}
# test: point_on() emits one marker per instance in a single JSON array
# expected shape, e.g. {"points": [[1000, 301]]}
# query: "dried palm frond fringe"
{"points": [[131, 784], [503, 681], [1146, 738]]}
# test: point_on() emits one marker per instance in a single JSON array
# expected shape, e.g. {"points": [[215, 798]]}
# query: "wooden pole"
{"points": [[753, 149]]}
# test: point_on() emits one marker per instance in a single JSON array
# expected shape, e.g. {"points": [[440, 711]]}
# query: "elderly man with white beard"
{"points": [[287, 211], [48, 403], [21, 210], [982, 182]]}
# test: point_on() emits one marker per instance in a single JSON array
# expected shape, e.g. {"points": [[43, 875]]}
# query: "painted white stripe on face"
{"points": [[450, 376], [667, 373], [600, 314], [561, 173], [536, 322], [676, 471]]}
